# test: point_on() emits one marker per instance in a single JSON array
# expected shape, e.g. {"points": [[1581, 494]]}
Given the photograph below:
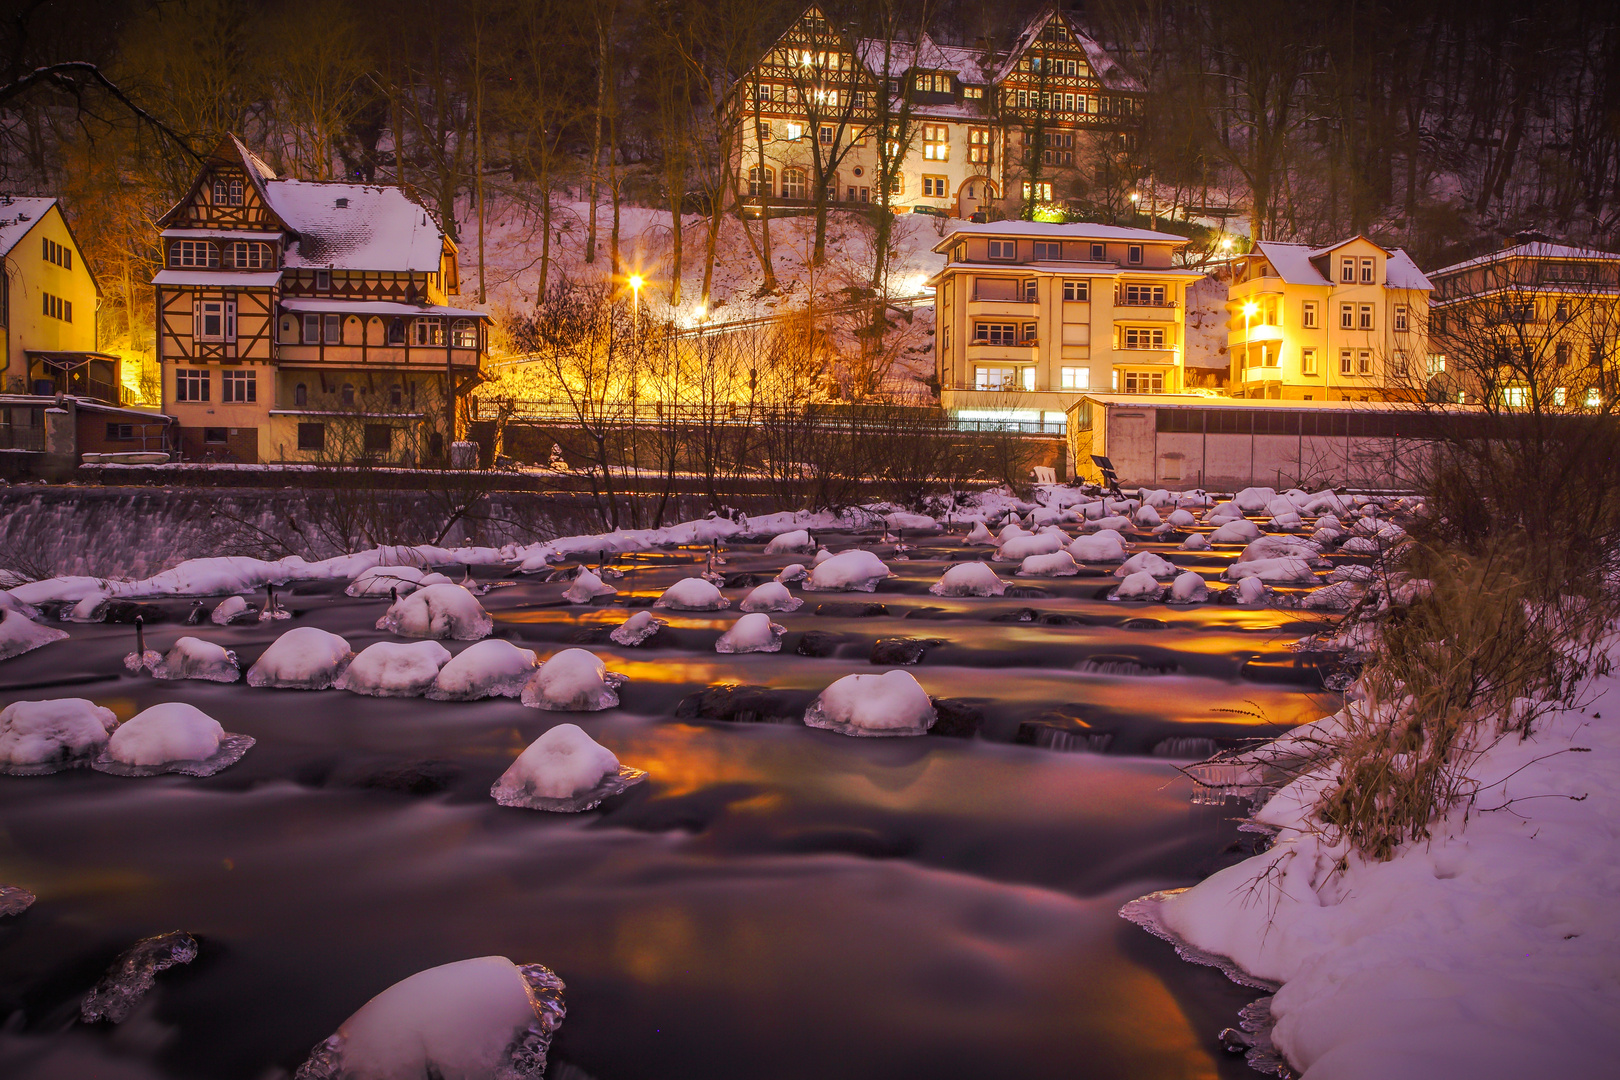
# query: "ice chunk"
{"points": [[1181, 519], [394, 669], [1138, 586], [304, 658], [969, 579], [1146, 517], [692, 594], [20, 634], [1056, 564], [855, 570], [1146, 562], [791, 543], [489, 668], [1188, 588], [14, 900], [573, 680], [771, 596], [892, 703], [400, 580], [637, 629], [39, 737], [1235, 531], [978, 535], [194, 658], [752, 633], [1020, 548], [587, 587], [132, 974], [231, 609], [1195, 542], [171, 737], [564, 770], [792, 572], [1251, 590], [482, 1019], [1105, 545], [1273, 570], [438, 611]]}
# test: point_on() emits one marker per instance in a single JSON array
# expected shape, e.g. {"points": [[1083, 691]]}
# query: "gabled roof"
{"points": [[18, 216], [230, 151], [377, 228], [1107, 70], [1294, 264], [895, 58], [1539, 250]]}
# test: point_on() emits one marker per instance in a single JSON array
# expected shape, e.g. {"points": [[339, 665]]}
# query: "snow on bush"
{"points": [[1277, 571], [892, 703], [20, 634], [969, 579], [1196, 542], [490, 668], [393, 669], [304, 658], [438, 611], [1146, 562], [1138, 586], [752, 633], [771, 596], [1188, 588], [1058, 563], [587, 587], [380, 580], [564, 770], [793, 572], [194, 658], [39, 737], [797, 542], [172, 737], [855, 570], [978, 535], [1020, 548], [573, 680], [1235, 531], [636, 629], [692, 594], [228, 611], [1105, 545], [470, 1020]]}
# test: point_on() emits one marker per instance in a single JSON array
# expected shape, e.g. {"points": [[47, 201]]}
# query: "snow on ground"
{"points": [[1490, 951]]}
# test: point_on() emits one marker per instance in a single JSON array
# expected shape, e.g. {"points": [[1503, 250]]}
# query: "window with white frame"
{"points": [[1516, 397], [1040, 191], [214, 320], [464, 334], [191, 384], [995, 378], [238, 387], [228, 192], [1366, 271], [1135, 253], [1310, 316], [935, 187], [1142, 337], [1400, 317], [936, 140], [1363, 362], [1347, 316], [1077, 290], [247, 255], [193, 253], [332, 329], [1004, 249], [995, 333], [427, 331], [1347, 271], [1144, 382], [1307, 361], [1142, 296], [1364, 316], [1031, 290], [1436, 364], [1074, 378], [761, 182], [795, 182], [1346, 362], [979, 146]]}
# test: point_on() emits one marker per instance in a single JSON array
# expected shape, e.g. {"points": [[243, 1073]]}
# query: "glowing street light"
{"points": [[636, 281]]}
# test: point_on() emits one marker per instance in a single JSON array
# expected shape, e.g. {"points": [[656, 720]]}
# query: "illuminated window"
{"points": [[1142, 337], [1307, 361], [1309, 316], [1040, 191], [1074, 378], [995, 378], [1516, 397], [1436, 364], [979, 146], [761, 182], [936, 142]]}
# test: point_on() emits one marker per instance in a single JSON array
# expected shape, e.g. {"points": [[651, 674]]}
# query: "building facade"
{"points": [[1534, 325], [302, 321], [48, 306], [1346, 322], [1031, 315], [812, 109]]}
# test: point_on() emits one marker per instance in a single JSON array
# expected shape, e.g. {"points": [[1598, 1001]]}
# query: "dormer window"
{"points": [[227, 192], [932, 82], [1099, 252], [343, 204], [323, 281], [1004, 249], [1136, 253]]}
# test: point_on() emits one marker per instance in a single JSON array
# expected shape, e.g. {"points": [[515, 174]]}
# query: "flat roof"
{"points": [[1198, 401], [1059, 230], [376, 307]]}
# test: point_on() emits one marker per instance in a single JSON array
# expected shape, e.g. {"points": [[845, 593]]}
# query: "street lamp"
{"points": [[636, 282]]}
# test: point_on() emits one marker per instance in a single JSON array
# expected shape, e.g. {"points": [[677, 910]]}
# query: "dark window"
{"points": [[190, 384], [300, 394], [395, 397], [215, 436], [239, 386], [396, 332], [347, 394], [379, 438], [1229, 422], [323, 281], [1181, 420], [312, 436], [120, 432]]}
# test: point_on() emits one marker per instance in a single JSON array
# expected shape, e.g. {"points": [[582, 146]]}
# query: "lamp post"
{"points": [[636, 282]]}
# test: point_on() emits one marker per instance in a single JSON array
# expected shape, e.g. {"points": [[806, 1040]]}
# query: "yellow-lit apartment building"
{"points": [[1030, 315], [1346, 322], [47, 305]]}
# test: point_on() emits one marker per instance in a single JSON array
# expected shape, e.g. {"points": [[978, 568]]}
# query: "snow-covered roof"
{"points": [[377, 228], [1046, 230], [216, 234], [17, 216], [1531, 251], [377, 307], [894, 58], [1199, 401], [1293, 264], [1106, 69], [1402, 273], [236, 279]]}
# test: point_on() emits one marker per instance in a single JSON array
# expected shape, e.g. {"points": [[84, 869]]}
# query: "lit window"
{"points": [[427, 331], [1041, 192], [936, 142], [1515, 397], [1594, 399], [1308, 317], [995, 378], [463, 334], [1074, 378], [1436, 364], [979, 146], [1560, 395], [1307, 361], [1143, 337], [1400, 317]]}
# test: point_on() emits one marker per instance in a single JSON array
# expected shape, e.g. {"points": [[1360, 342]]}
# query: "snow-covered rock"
{"points": [[1222, 512], [39, 737], [1146, 517], [438, 611], [1113, 521], [1020, 548], [20, 634], [892, 703], [1280, 547], [490, 668], [1235, 531], [1252, 590], [752, 633], [194, 658], [1181, 519], [1058, 563], [969, 579], [978, 535], [587, 587], [1138, 586], [1188, 588], [793, 572], [771, 596], [574, 680], [394, 669], [1105, 545], [1277, 571], [229, 610], [1254, 500], [1196, 542], [172, 737], [564, 770], [1287, 521], [1157, 499], [902, 519], [1009, 531], [822, 555], [636, 629], [482, 1019], [304, 658], [1359, 545], [1147, 562], [692, 594], [796, 542], [855, 570], [402, 580]]}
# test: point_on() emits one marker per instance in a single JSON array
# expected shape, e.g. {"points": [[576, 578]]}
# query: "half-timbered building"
{"points": [[309, 321]]}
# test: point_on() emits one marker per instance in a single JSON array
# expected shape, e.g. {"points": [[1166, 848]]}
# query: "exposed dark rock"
{"points": [[131, 976], [746, 580], [958, 718], [126, 611], [1027, 592], [592, 635], [1143, 624], [1021, 615], [818, 643], [426, 777], [1053, 618], [852, 611], [905, 651], [1060, 729], [735, 704], [926, 613]]}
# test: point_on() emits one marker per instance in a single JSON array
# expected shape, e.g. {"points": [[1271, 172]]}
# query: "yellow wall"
{"points": [[31, 276]]}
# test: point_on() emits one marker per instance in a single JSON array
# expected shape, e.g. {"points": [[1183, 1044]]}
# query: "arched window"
{"points": [[348, 394], [761, 182], [465, 334], [236, 193], [795, 183], [300, 395]]}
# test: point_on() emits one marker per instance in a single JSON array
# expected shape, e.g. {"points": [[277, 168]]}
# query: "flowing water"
{"points": [[776, 901]]}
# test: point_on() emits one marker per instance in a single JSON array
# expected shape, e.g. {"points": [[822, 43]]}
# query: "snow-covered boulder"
{"points": [[194, 658], [1277, 571], [438, 611], [636, 629], [1196, 542], [1281, 506], [1058, 563], [822, 555], [587, 587], [1222, 512], [470, 1020], [1105, 545], [400, 580], [171, 738], [1157, 499], [1020, 548], [793, 572], [1188, 588], [1138, 586], [902, 519], [20, 634], [752, 633], [1254, 500], [1181, 519], [573, 680], [1235, 531], [231, 609], [1113, 521], [978, 535], [1280, 547], [892, 703], [304, 658], [771, 596], [394, 669], [968, 579], [39, 737], [1009, 531], [1252, 590], [692, 594], [855, 570], [797, 542], [490, 668], [1359, 545], [564, 770], [1146, 517], [1146, 562]]}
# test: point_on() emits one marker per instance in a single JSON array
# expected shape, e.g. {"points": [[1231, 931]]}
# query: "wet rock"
{"points": [[958, 718], [1027, 592], [1185, 746], [737, 704], [746, 580], [1061, 730], [428, 777], [904, 651], [14, 900], [132, 974], [818, 643], [852, 611], [1054, 618], [640, 601], [1021, 615], [926, 613], [1143, 624], [831, 840], [591, 635], [127, 611]]}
